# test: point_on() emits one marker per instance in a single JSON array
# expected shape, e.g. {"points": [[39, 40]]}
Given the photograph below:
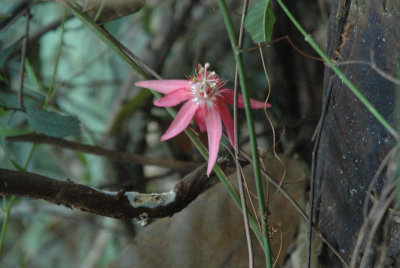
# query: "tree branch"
{"points": [[90, 149], [120, 205]]}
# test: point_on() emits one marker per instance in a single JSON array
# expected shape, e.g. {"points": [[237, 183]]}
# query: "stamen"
{"points": [[206, 86]]}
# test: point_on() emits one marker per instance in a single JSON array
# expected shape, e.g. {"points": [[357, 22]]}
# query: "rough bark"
{"points": [[119, 205]]}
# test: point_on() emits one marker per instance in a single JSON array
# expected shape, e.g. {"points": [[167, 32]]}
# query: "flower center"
{"points": [[205, 85]]}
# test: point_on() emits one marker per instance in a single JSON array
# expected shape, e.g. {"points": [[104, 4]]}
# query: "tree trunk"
{"points": [[353, 143]]}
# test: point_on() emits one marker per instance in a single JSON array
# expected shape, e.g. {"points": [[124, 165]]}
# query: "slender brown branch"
{"points": [[119, 205], [317, 137], [373, 66], [287, 38], [91, 149], [16, 12], [236, 139]]}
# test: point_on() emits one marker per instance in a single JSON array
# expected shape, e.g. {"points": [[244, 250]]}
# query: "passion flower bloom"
{"points": [[206, 100]]}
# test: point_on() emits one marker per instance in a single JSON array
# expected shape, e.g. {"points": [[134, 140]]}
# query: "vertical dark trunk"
{"points": [[353, 143]]}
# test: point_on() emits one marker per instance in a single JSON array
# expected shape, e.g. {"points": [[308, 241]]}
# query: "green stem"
{"points": [[253, 141], [345, 80], [5, 222], [50, 93], [30, 155]]}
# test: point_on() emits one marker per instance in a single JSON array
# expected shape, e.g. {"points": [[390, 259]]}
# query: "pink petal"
{"points": [[214, 131], [227, 119], [181, 121], [163, 86], [255, 104], [173, 98], [200, 117]]}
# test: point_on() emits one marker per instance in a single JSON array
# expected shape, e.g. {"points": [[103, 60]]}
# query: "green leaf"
{"points": [[6, 52], [53, 124], [9, 99], [259, 21]]}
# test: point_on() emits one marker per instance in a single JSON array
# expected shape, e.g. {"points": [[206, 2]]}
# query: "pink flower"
{"points": [[206, 99]]}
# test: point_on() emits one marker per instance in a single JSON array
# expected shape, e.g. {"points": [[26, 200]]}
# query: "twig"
{"points": [[317, 138], [274, 229], [140, 159], [372, 64], [22, 66], [236, 139], [384, 163], [381, 211], [14, 13], [332, 248], [287, 38], [128, 205], [373, 220], [274, 143], [276, 184]]}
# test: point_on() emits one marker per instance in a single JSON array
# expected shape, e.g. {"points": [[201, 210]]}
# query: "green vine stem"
{"points": [[6, 212], [345, 80], [253, 141], [130, 61], [51, 90], [12, 201]]}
